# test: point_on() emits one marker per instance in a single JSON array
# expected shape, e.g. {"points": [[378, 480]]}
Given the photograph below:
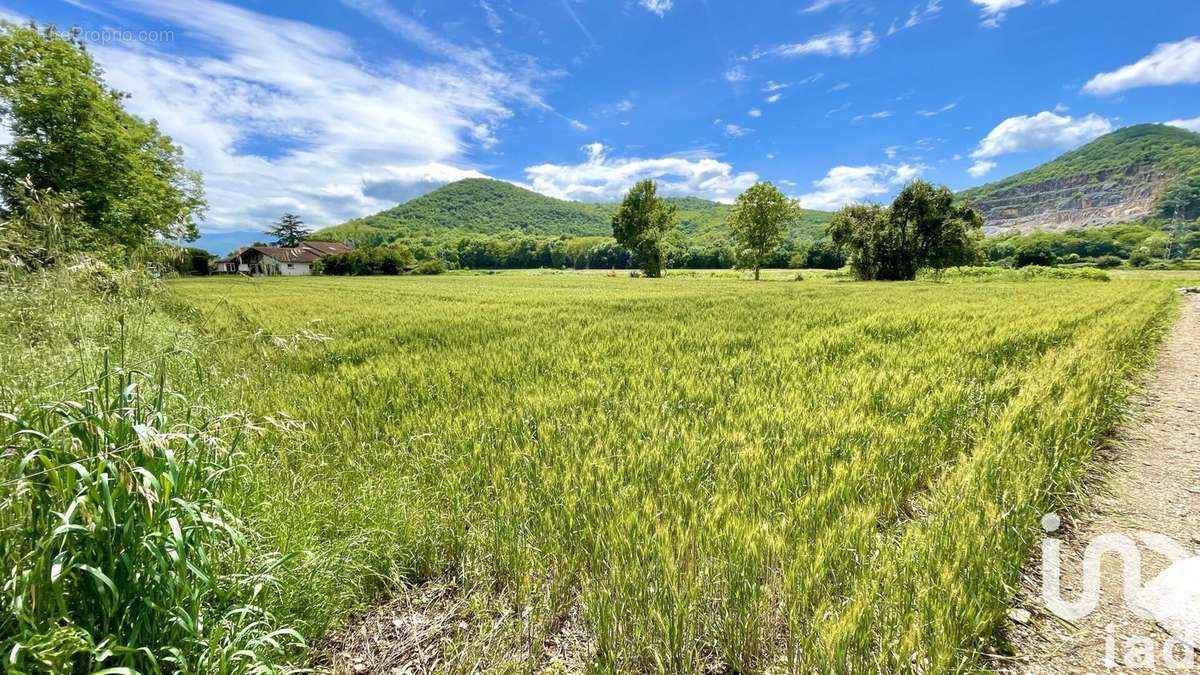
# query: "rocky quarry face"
{"points": [[1091, 200]]}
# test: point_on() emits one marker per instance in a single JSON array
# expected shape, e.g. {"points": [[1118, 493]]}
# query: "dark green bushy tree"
{"points": [[289, 231], [924, 227], [72, 138], [642, 224]]}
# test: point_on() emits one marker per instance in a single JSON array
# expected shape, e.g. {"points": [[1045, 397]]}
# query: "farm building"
{"points": [[277, 261]]}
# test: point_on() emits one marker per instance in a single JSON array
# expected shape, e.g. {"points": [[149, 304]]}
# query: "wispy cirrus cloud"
{"points": [[659, 7], [881, 115], [938, 111], [822, 5], [916, 16], [995, 11], [1170, 63], [282, 115], [602, 177], [838, 43]]}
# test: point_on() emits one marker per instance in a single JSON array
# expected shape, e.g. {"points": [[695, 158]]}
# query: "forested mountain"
{"points": [[485, 206], [1137, 173]]}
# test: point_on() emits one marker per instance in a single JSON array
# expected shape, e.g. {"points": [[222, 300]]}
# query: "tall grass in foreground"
{"points": [[710, 474], [118, 553]]}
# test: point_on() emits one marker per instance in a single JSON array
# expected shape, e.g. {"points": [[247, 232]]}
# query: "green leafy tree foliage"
{"points": [[1161, 239], [364, 261], [924, 227], [642, 224], [73, 139], [759, 219], [289, 231]]}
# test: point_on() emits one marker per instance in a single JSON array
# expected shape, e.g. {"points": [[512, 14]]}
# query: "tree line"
{"points": [[923, 227], [521, 251]]}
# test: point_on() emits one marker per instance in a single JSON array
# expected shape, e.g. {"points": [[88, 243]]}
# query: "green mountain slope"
{"points": [[492, 207], [1136, 173]]}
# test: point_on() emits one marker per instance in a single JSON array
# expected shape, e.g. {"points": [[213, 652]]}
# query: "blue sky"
{"points": [[337, 109]]}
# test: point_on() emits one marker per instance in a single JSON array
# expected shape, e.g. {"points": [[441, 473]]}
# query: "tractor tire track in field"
{"points": [[1154, 487]]}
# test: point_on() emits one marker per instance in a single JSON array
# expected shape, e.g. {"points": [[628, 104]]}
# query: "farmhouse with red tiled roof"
{"points": [[278, 261]]}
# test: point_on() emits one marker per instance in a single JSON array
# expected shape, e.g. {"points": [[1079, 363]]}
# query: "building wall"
{"points": [[295, 269]]}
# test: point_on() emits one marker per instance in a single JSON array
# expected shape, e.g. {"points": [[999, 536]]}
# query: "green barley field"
{"points": [[683, 474]]}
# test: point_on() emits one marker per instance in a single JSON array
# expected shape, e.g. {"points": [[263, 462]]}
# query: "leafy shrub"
{"points": [[1029, 273], [1034, 253], [364, 261], [1039, 272], [1140, 257], [1106, 262], [433, 266]]}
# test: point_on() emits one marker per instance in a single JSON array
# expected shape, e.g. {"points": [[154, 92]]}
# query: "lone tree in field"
{"points": [[289, 231], [642, 224], [923, 228], [760, 215]]}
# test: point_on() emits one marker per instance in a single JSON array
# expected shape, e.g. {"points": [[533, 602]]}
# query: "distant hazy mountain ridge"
{"points": [[1137, 173]]}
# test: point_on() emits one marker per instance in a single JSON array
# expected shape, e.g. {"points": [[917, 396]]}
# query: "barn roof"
{"points": [[288, 255], [326, 247], [304, 253]]}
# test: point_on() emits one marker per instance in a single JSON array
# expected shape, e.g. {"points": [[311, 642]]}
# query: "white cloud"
{"points": [[839, 43], [1040, 131], [934, 113], [659, 7], [840, 86], [981, 168], [994, 10], [282, 115], [624, 105], [735, 131], [774, 98], [882, 114], [822, 5], [1191, 125], [1169, 63], [844, 185], [840, 108], [12, 17], [772, 85], [916, 16], [754, 112], [602, 178], [494, 22], [736, 74]]}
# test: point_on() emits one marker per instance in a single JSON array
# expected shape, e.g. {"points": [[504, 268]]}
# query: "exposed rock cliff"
{"points": [[1136, 173], [1092, 200]]}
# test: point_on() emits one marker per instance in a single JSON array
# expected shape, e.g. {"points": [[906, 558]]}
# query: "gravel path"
{"points": [[1154, 487]]}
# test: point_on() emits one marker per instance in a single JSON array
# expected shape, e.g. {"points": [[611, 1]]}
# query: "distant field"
{"points": [[688, 473]]}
